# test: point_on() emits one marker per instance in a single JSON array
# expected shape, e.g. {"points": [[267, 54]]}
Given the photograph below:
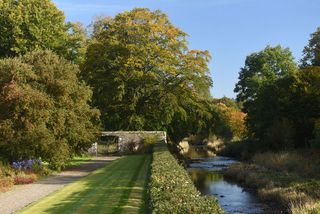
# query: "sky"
{"points": [[229, 29]]}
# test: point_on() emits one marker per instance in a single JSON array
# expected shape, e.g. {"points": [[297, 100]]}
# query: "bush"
{"points": [[45, 111], [23, 178], [171, 189], [6, 183], [315, 142], [243, 150], [148, 143]]}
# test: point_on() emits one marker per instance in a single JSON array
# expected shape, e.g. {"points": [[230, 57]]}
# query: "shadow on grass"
{"points": [[111, 189]]}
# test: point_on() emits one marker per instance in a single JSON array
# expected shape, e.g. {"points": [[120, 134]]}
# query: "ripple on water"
{"points": [[205, 173]]}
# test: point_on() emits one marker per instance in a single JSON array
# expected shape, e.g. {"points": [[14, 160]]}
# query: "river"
{"points": [[205, 171]]}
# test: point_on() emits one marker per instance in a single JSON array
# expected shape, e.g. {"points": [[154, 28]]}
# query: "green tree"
{"points": [[262, 68], [311, 52], [262, 87], [304, 110], [285, 113], [26, 25], [45, 111], [142, 72]]}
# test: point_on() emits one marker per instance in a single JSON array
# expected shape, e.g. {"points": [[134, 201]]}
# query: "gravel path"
{"points": [[23, 195]]}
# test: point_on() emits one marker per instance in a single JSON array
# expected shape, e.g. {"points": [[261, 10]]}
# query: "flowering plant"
{"points": [[26, 164]]}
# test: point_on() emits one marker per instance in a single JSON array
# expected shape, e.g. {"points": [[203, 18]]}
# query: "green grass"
{"points": [[78, 160], [120, 187]]}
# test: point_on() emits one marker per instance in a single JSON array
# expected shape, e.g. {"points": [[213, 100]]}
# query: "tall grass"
{"points": [[304, 163], [290, 179]]}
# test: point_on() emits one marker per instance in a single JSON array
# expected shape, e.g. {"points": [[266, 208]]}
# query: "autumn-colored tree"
{"points": [[143, 74], [45, 111], [229, 121]]}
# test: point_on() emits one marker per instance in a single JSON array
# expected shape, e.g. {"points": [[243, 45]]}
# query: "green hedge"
{"points": [[171, 189]]}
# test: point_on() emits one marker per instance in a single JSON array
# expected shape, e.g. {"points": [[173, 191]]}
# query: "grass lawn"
{"points": [[78, 160], [120, 187]]}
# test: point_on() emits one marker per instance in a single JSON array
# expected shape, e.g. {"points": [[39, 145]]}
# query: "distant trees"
{"points": [[228, 121], [26, 25], [143, 75], [45, 111]]}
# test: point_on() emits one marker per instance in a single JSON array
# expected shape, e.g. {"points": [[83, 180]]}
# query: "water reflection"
{"points": [[231, 197], [198, 152], [207, 177], [212, 164]]}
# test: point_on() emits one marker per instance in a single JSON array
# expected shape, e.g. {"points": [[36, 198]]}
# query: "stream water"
{"points": [[205, 171]]}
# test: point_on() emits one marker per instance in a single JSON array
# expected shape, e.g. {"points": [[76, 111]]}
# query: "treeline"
{"points": [[282, 98], [60, 85]]}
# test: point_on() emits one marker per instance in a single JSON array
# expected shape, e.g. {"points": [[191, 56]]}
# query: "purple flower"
{"points": [[26, 164]]}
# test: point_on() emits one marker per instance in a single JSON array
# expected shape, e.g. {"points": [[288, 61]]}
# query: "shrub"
{"points": [[27, 164], [315, 142], [148, 142], [6, 183], [171, 189], [25, 177], [243, 150], [6, 170], [45, 111]]}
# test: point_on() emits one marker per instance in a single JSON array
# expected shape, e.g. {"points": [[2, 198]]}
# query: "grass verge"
{"points": [[117, 188], [78, 160], [284, 178]]}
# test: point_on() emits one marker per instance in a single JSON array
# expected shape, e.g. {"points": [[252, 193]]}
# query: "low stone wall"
{"points": [[130, 141]]}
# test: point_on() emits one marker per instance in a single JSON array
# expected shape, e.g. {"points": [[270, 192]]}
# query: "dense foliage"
{"points": [[26, 25], [171, 188], [281, 101], [311, 53], [143, 75], [45, 111]]}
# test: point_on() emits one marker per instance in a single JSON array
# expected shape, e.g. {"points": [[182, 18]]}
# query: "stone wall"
{"points": [[132, 140]]}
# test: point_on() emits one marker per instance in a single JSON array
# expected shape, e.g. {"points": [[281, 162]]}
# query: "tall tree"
{"points": [[142, 72], [311, 52], [26, 25], [45, 111], [259, 88], [263, 68], [304, 110]]}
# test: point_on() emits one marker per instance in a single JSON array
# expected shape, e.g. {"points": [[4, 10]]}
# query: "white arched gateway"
{"points": [[126, 138]]}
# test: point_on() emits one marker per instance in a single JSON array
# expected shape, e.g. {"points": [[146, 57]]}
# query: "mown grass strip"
{"points": [[106, 190]]}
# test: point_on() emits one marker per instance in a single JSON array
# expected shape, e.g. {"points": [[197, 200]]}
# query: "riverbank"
{"points": [[291, 180]]}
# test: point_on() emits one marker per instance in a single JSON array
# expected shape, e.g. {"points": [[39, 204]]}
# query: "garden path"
{"points": [[23, 195]]}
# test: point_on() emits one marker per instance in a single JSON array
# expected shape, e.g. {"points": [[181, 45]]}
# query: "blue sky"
{"points": [[229, 29]]}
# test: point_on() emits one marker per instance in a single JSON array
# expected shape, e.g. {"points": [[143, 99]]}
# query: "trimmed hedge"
{"points": [[171, 189]]}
